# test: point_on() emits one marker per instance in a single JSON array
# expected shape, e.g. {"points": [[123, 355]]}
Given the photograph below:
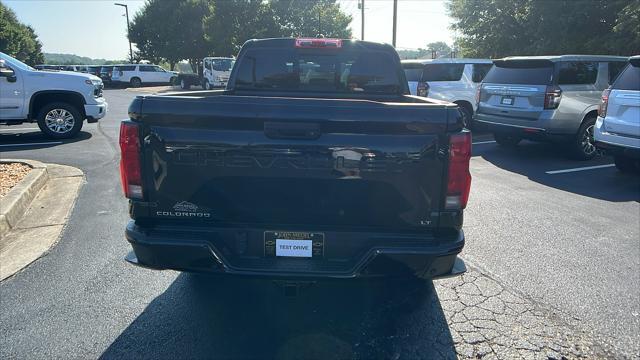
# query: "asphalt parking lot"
{"points": [[553, 247]]}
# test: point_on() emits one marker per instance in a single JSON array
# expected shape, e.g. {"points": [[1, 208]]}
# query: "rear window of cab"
{"points": [[302, 70]]}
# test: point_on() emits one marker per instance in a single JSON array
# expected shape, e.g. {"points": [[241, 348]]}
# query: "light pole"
{"points": [[126, 9], [395, 21], [361, 7]]}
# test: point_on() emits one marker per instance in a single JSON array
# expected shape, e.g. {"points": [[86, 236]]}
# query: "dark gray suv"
{"points": [[547, 98]]}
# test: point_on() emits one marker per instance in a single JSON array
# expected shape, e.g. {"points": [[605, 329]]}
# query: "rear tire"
{"points": [[583, 145], [626, 164], [207, 86], [135, 82], [59, 120], [507, 140], [184, 85]]}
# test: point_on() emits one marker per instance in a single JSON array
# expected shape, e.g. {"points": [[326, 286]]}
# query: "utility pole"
{"points": [[395, 21], [319, 26], [126, 9], [361, 6]]}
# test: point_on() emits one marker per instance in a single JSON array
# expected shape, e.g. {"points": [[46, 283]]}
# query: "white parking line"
{"points": [[579, 169], [19, 129], [483, 142], [31, 144]]}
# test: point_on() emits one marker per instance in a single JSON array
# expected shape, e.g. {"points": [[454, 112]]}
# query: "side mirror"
{"points": [[6, 72]]}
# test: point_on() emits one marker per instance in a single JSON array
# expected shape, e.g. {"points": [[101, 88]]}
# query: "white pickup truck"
{"points": [[58, 101]]}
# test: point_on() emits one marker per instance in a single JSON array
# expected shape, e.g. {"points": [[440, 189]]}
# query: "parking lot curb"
{"points": [[16, 202], [43, 219]]}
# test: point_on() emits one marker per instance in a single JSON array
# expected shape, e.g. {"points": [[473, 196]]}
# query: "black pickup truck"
{"points": [[315, 162]]}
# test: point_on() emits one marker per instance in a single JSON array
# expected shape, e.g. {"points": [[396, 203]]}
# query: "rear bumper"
{"points": [[615, 144], [618, 150], [228, 250], [546, 124]]}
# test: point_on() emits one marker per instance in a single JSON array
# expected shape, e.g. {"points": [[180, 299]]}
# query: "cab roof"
{"points": [[291, 42]]}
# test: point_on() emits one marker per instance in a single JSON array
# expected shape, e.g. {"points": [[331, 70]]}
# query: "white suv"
{"points": [[453, 80], [58, 101], [138, 74], [617, 129]]}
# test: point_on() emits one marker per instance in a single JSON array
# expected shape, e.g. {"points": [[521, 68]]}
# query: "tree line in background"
{"points": [[172, 31], [434, 50], [17, 39], [498, 28]]}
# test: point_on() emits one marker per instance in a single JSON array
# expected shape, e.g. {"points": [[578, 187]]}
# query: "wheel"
{"points": [[626, 164], [59, 120], [184, 85], [136, 82], [172, 81], [506, 139], [467, 116], [583, 146], [207, 86]]}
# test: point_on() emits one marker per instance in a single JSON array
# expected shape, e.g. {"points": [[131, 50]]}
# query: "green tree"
{"points": [[490, 28], [440, 47], [232, 22], [18, 40], [626, 31], [175, 30], [302, 18], [496, 28], [170, 31]]}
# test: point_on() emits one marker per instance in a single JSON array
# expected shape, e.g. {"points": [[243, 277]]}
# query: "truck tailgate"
{"points": [[293, 162]]}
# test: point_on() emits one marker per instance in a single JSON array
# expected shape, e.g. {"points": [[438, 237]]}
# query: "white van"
{"points": [[454, 80], [216, 71]]}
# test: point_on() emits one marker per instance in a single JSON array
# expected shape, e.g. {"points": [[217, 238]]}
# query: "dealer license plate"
{"points": [[293, 244]]}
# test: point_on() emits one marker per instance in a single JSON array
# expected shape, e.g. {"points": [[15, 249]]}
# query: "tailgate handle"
{"points": [[287, 130]]}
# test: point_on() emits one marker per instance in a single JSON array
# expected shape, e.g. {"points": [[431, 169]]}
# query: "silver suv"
{"points": [[546, 98], [617, 130]]}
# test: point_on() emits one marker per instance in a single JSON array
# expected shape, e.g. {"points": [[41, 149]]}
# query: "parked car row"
{"points": [[134, 75], [540, 98], [453, 80]]}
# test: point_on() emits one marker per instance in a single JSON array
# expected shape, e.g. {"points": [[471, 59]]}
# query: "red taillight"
{"points": [[130, 171], [552, 97], [422, 89], [318, 43], [459, 179], [604, 103]]}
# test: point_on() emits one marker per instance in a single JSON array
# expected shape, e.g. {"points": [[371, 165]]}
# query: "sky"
{"points": [[97, 28]]}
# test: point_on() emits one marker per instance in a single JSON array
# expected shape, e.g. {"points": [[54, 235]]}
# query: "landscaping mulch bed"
{"points": [[10, 175]]}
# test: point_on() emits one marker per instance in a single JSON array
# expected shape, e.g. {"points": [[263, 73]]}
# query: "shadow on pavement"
{"points": [[199, 317], [34, 139], [533, 160]]}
